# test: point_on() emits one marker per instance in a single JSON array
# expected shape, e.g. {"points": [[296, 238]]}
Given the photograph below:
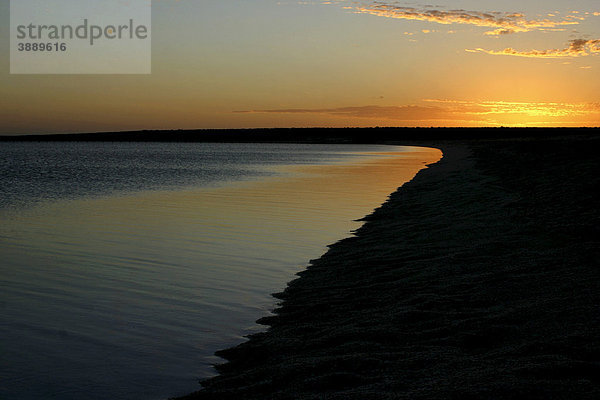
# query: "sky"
{"points": [[266, 63]]}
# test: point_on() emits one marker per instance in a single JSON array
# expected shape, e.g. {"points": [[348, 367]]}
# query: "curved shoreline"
{"points": [[477, 279]]}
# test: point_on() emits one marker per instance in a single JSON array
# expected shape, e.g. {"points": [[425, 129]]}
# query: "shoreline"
{"points": [[477, 279]]}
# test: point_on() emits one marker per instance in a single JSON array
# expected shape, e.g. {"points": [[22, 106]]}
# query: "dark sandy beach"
{"points": [[478, 279]]}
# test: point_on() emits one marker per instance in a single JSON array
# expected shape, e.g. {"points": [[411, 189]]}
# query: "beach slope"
{"points": [[478, 279]]}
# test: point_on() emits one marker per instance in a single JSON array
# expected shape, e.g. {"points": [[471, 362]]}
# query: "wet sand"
{"points": [[478, 279]]}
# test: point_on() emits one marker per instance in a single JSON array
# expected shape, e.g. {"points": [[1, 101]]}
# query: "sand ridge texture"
{"points": [[479, 279]]}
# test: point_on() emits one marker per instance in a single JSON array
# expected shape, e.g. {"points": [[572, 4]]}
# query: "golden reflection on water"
{"points": [[307, 206]]}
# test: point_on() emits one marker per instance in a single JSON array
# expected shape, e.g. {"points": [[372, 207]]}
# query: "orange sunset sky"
{"points": [[260, 63]]}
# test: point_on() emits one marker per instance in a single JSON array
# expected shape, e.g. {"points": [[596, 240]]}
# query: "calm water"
{"points": [[123, 267]]}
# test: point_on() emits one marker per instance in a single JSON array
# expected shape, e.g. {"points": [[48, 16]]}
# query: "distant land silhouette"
{"points": [[309, 135]]}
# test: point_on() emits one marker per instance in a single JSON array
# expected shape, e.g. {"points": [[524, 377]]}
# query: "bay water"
{"points": [[125, 266]]}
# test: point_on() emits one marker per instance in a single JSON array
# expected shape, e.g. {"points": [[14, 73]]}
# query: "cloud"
{"points": [[498, 24], [403, 113], [576, 48], [503, 23], [531, 109], [485, 112]]}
